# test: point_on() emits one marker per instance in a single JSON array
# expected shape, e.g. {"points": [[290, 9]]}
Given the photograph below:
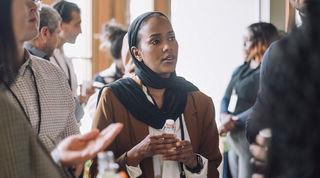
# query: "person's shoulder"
{"points": [[200, 102], [105, 77], [7, 108], [276, 46], [42, 62], [127, 82], [199, 97], [109, 72], [238, 69], [273, 53], [106, 92], [46, 67]]}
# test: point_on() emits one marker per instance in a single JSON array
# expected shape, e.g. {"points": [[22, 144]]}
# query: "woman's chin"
{"points": [[166, 74]]}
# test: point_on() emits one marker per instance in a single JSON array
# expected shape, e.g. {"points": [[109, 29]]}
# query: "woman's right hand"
{"points": [[227, 123], [150, 146]]}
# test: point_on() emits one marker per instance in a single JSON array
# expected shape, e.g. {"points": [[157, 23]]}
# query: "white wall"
{"points": [[210, 35], [138, 7]]}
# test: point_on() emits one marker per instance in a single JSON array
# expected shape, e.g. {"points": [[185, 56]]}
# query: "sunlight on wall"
{"points": [[138, 7], [210, 40]]}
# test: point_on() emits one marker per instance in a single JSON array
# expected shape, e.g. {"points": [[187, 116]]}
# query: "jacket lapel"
{"points": [[190, 117]]}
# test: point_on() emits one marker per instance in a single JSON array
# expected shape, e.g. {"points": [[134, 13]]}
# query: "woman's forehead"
{"points": [[156, 25]]}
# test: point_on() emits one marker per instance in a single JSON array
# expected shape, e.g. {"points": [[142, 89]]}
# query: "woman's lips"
{"points": [[169, 59]]}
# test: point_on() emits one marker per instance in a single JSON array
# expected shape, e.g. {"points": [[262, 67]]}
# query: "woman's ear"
{"points": [[136, 53]]}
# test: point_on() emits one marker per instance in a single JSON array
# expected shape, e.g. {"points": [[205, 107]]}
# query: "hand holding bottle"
{"points": [[150, 146]]}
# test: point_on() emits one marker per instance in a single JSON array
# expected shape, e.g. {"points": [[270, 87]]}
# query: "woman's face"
{"points": [[19, 14], [158, 47], [247, 43]]}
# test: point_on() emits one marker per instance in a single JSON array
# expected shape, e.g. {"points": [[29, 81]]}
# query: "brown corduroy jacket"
{"points": [[199, 118]]}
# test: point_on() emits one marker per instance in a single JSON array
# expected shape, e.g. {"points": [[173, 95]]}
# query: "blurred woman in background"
{"points": [[241, 94], [111, 42], [111, 39]]}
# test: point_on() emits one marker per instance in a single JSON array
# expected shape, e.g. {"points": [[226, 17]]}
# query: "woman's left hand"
{"points": [[183, 153]]}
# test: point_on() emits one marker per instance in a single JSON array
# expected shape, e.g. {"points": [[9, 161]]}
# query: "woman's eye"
{"points": [[172, 38], [155, 42]]}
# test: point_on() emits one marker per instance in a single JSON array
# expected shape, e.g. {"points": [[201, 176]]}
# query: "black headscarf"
{"points": [[133, 98]]}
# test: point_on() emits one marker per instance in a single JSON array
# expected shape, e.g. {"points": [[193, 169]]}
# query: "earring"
{"points": [[140, 59]]}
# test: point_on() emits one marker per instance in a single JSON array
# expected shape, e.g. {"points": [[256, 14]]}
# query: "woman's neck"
{"points": [[157, 95], [254, 63]]}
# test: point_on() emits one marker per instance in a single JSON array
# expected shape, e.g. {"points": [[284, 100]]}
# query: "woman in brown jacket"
{"points": [[144, 102]]}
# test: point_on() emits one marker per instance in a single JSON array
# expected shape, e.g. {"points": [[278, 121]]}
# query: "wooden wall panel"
{"points": [[103, 11], [163, 6], [49, 2]]}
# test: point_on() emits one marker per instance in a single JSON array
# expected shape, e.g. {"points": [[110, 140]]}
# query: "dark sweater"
{"points": [[245, 82]]}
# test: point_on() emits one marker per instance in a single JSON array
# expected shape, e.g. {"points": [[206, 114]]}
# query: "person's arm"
{"points": [[20, 152], [203, 172], [76, 149], [257, 119], [103, 118], [71, 127], [259, 151], [14, 137], [209, 140], [241, 118]]}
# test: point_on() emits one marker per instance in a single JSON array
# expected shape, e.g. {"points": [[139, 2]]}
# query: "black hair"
{"points": [[262, 35], [263, 31], [295, 102], [113, 34], [65, 9], [8, 46]]}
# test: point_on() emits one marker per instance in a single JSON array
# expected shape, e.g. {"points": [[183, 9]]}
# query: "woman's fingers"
{"points": [[258, 152], [163, 136], [182, 152]]}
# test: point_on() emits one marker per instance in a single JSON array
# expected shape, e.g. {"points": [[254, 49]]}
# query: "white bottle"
{"points": [[169, 127], [106, 165], [169, 167]]}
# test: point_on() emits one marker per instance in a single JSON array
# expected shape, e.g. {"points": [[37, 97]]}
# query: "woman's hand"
{"points": [[259, 151], [228, 123], [150, 146], [183, 153]]}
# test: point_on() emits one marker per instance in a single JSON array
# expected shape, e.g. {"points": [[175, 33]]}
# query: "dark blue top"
{"points": [[245, 82]]}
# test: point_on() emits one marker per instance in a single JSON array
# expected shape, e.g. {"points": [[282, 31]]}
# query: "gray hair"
{"points": [[49, 17]]}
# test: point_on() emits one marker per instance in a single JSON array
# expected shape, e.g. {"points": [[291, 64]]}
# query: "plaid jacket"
{"points": [[56, 100]]}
